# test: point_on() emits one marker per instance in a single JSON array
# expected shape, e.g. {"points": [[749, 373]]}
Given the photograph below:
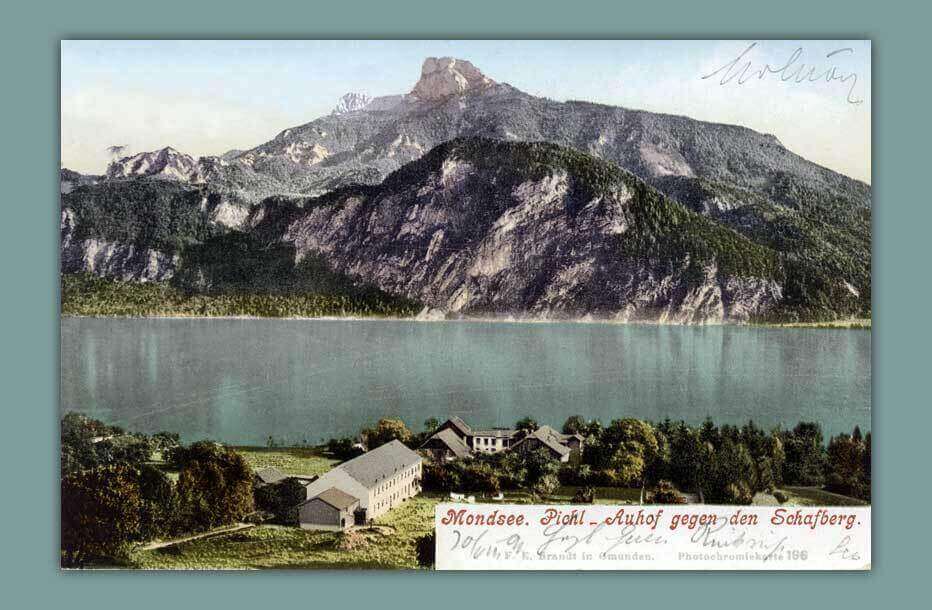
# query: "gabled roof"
{"points": [[336, 498], [496, 432], [451, 441], [372, 467], [550, 438], [461, 426], [270, 475]]}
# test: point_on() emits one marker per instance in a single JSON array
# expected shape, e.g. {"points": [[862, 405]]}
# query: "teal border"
{"points": [[30, 48]]}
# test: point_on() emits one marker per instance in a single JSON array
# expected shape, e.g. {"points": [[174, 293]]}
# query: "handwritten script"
{"points": [[601, 537], [744, 68]]}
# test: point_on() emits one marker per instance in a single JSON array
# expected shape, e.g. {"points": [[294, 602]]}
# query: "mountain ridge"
{"points": [[814, 220]]}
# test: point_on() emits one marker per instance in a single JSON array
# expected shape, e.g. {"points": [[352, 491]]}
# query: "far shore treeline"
{"points": [[121, 489]]}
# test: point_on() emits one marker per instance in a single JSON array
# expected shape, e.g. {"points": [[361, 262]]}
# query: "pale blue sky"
{"points": [[206, 97]]}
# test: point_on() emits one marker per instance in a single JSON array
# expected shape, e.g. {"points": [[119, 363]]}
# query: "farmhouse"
{"points": [[455, 439], [362, 489], [558, 445], [445, 445]]}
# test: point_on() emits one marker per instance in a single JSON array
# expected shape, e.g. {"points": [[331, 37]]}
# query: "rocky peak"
{"points": [[442, 77], [164, 163], [351, 102]]}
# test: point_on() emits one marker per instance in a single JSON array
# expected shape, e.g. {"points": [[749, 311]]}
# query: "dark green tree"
{"points": [[100, 514]]}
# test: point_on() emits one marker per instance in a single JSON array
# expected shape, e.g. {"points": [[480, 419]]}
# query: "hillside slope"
{"points": [[485, 227]]}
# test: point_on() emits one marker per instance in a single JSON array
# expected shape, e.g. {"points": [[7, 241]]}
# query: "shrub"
{"points": [[425, 548], [737, 493], [584, 495], [343, 448], [665, 493]]}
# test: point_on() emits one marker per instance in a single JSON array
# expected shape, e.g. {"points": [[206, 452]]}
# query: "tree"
{"points": [[343, 449], [440, 477], [431, 424], [805, 455], [158, 503], [526, 424], [99, 514], [282, 499], [845, 464], [731, 470], [127, 449], [541, 471], [480, 477], [574, 424], [179, 456], [385, 431], [214, 489], [165, 441], [636, 450]]}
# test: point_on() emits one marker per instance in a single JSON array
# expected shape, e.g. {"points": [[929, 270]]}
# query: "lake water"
{"points": [[240, 381]]}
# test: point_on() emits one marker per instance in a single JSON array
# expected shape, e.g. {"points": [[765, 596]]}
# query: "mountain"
{"points": [[166, 163], [484, 227], [811, 224], [351, 102], [70, 180]]}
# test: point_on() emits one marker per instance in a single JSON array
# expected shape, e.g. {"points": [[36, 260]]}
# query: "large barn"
{"points": [[362, 489]]}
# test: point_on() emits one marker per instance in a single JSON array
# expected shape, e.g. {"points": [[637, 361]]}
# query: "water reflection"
{"points": [[242, 381]]}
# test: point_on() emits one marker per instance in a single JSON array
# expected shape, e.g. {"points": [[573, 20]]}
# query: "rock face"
{"points": [[111, 259], [352, 102], [166, 163], [445, 76], [470, 230]]}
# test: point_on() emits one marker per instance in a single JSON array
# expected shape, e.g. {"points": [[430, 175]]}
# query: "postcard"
{"points": [[466, 305]]}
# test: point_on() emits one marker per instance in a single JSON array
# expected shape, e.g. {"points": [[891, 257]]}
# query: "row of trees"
{"points": [[114, 496], [722, 465]]}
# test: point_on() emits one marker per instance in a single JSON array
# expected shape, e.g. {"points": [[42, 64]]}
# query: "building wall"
{"points": [[489, 444], [391, 492], [317, 514]]}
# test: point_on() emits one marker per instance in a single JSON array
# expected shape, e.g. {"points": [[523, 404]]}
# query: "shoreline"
{"points": [[847, 324]]}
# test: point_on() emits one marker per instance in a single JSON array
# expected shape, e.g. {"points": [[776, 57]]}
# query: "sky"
{"points": [[208, 97]]}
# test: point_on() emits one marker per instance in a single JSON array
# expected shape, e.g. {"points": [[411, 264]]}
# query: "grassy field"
{"points": [[812, 496], [603, 495], [390, 546], [290, 460]]}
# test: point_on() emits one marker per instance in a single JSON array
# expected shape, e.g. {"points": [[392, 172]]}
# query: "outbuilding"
{"points": [[330, 510]]}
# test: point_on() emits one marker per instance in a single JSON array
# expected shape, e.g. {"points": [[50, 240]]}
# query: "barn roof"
{"points": [[372, 467], [550, 438], [336, 498], [450, 440], [270, 475]]}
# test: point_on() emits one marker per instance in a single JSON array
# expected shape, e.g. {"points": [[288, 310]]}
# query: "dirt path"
{"points": [[161, 544]]}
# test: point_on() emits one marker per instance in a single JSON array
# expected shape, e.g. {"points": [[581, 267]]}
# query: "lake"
{"points": [[241, 381]]}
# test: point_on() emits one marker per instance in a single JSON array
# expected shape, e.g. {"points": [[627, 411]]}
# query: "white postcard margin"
{"points": [[667, 537]]}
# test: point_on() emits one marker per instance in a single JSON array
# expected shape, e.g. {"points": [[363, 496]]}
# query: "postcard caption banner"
{"points": [[669, 537]]}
